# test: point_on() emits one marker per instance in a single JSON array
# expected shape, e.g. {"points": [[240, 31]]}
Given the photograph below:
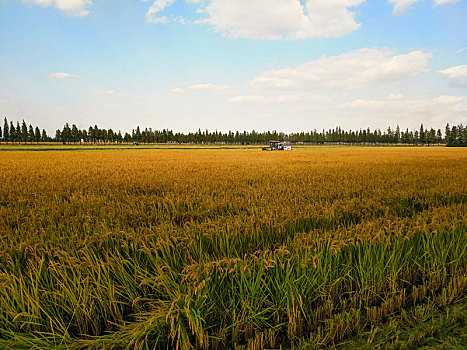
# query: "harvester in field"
{"points": [[277, 146]]}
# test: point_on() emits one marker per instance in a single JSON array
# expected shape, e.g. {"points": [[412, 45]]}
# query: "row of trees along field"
{"points": [[453, 136]]}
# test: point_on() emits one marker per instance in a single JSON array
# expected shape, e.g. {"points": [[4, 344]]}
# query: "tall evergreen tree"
{"points": [[12, 132], [454, 136], [37, 134], [137, 136], [439, 136], [74, 133], [6, 131], [30, 134], [447, 134], [58, 136], [18, 132], [421, 134], [397, 134], [44, 137], [464, 135], [24, 132]]}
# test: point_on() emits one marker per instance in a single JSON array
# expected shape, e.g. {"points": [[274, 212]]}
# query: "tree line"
{"points": [[21, 132]]}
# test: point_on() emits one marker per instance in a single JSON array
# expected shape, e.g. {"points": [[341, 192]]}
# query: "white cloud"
{"points": [[76, 8], [113, 93], [462, 50], [452, 109], [448, 99], [444, 2], [395, 97], [281, 99], [209, 87], [401, 6], [264, 99], [346, 71], [457, 75], [270, 19], [278, 19], [6, 101], [153, 13], [63, 75], [367, 86], [182, 88]]}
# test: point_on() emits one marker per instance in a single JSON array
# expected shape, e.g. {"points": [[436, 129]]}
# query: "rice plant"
{"points": [[226, 249]]}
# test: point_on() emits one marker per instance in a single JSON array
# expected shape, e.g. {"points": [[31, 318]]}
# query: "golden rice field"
{"points": [[227, 249]]}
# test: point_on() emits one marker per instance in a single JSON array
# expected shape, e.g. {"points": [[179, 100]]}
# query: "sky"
{"points": [[286, 65]]}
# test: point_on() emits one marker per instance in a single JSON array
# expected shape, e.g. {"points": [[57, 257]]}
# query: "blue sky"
{"points": [[288, 65]]}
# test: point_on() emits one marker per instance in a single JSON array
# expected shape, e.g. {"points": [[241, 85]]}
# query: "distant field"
{"points": [[83, 146], [351, 247], [53, 146]]}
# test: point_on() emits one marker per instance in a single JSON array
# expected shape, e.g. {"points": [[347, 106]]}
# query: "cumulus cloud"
{"points": [[63, 76], [201, 87], [209, 87], [264, 99], [455, 105], [457, 76], [395, 97], [113, 93], [282, 99], [152, 15], [278, 19], [271, 19], [76, 8], [443, 2], [451, 100], [401, 6], [369, 85], [452, 109], [7, 101], [178, 90], [346, 71]]}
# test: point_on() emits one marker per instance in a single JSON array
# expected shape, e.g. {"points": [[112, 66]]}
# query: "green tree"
{"points": [[12, 132], [44, 137], [431, 136], [24, 132], [18, 132], [75, 134], [422, 134], [454, 136], [58, 136], [447, 134], [84, 135], [463, 135], [439, 136], [137, 136], [30, 137], [37, 134], [6, 131]]}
